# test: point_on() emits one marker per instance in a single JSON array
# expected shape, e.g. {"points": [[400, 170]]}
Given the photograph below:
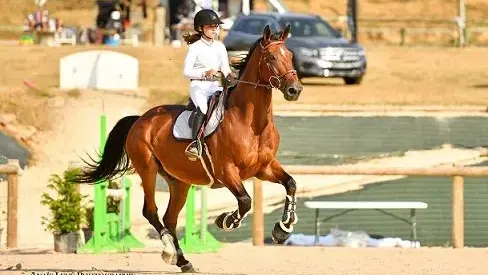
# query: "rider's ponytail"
{"points": [[192, 38]]}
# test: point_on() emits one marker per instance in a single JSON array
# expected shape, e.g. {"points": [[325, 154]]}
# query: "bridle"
{"points": [[275, 76]]}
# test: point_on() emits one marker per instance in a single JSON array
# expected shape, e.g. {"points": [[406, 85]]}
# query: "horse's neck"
{"points": [[254, 103]]}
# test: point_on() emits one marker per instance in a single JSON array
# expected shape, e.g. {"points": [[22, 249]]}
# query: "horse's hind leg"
{"points": [[147, 167], [178, 194]]}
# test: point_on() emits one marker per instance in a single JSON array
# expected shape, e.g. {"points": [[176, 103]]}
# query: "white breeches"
{"points": [[201, 91]]}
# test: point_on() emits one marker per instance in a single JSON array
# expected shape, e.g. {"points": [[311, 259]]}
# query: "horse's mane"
{"points": [[241, 64]]}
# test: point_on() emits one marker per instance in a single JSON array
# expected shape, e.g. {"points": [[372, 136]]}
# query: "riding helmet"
{"points": [[205, 17]]}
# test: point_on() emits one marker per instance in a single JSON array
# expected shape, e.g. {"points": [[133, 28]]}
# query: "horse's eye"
{"points": [[271, 57]]}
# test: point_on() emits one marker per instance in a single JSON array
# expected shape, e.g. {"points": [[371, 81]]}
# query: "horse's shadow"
{"points": [[331, 84], [106, 271], [84, 271], [481, 86], [21, 251]]}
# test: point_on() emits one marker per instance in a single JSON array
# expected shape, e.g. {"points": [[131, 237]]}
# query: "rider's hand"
{"points": [[232, 75], [210, 73]]}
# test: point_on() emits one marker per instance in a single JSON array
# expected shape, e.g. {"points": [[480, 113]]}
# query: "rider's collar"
{"points": [[208, 43]]}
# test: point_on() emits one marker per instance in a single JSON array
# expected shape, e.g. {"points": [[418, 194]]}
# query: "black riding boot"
{"points": [[194, 150]]}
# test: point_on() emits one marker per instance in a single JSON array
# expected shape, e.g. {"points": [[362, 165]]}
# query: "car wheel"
{"points": [[353, 80]]}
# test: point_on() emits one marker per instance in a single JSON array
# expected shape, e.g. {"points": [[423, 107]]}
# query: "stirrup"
{"points": [[192, 156]]}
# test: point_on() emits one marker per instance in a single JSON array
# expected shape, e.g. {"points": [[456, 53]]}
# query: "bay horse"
{"points": [[243, 146]]}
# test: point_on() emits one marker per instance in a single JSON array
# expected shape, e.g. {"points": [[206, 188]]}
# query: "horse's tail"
{"points": [[114, 160]]}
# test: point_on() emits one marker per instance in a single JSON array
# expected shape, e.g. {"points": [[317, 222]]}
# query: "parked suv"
{"points": [[318, 49]]}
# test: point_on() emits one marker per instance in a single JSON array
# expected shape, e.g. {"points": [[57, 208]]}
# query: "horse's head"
{"points": [[276, 65]]}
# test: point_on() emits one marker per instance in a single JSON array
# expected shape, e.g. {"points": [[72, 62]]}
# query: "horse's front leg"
{"points": [[229, 221], [274, 172]]}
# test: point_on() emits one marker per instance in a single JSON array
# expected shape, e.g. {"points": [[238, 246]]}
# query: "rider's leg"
{"points": [[195, 150], [199, 98]]}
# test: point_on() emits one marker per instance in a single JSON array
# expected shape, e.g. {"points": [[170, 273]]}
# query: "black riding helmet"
{"points": [[205, 17]]}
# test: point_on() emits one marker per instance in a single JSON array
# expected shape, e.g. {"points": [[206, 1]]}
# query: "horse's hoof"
{"points": [[224, 222], [219, 221], [279, 235], [169, 254], [188, 268]]}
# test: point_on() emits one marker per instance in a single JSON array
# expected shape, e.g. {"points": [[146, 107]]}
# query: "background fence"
{"points": [[413, 22], [413, 31], [461, 217], [3, 211], [12, 170], [458, 30]]}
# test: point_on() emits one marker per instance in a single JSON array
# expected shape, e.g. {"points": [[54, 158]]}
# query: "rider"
{"points": [[204, 58]]}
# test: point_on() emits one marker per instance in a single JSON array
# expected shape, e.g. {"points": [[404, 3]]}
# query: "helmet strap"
{"points": [[203, 34]]}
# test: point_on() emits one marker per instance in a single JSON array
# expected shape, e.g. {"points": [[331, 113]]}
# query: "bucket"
{"points": [[66, 243]]}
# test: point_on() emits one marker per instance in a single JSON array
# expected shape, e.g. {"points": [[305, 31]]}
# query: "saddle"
{"points": [[190, 106], [216, 106], [212, 101]]}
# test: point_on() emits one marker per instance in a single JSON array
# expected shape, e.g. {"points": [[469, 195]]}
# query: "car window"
{"points": [[252, 25], [309, 27]]}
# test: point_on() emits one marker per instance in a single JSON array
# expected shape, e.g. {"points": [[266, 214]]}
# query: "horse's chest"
{"points": [[260, 153]]}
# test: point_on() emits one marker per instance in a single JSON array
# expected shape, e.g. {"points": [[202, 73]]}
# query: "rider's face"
{"points": [[210, 30]]}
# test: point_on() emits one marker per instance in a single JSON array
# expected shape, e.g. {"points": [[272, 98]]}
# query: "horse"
{"points": [[243, 146]]}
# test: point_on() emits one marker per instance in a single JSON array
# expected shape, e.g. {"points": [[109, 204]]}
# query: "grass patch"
{"points": [[74, 93]]}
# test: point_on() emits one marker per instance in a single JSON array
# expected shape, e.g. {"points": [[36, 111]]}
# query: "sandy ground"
{"points": [[246, 259]]}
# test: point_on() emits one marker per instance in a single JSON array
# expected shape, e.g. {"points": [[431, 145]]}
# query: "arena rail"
{"points": [[13, 171], [456, 172]]}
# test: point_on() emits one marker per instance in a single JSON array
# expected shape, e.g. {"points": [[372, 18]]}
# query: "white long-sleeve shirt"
{"points": [[203, 56]]}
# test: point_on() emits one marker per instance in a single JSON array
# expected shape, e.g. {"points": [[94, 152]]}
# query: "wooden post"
{"points": [[458, 212], [12, 179], [159, 24], [461, 22], [403, 34], [258, 216]]}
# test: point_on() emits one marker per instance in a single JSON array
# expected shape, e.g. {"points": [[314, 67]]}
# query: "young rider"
{"points": [[204, 58]]}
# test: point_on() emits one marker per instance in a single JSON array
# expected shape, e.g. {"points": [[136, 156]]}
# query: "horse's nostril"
{"points": [[292, 91]]}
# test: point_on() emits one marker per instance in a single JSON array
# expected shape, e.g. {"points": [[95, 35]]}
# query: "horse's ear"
{"points": [[286, 31], [266, 34]]}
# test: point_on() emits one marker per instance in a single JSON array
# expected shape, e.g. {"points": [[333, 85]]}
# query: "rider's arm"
{"points": [[189, 70]]}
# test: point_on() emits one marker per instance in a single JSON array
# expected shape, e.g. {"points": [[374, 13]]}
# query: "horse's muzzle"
{"points": [[293, 91]]}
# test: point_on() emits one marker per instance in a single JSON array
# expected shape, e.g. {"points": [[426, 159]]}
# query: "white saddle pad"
{"points": [[182, 131]]}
